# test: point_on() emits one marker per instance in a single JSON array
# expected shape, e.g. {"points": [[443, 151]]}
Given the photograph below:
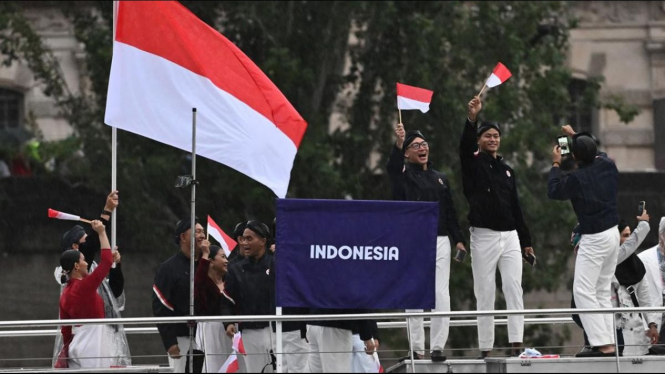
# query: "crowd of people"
{"points": [[607, 271]]}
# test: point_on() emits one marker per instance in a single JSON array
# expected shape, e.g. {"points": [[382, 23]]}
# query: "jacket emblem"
{"points": [[508, 173], [440, 181]]}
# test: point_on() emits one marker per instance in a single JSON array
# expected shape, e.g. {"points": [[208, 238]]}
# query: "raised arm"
{"points": [[92, 281], [636, 238], [396, 159], [469, 141]]}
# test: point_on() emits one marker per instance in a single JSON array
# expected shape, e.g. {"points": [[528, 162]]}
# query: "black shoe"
{"points": [[484, 355], [416, 356], [437, 356], [595, 353]]}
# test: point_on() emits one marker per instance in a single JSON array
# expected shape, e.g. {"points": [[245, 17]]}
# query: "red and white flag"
{"points": [[410, 98], [498, 76], [60, 215], [231, 363], [225, 241], [166, 61]]}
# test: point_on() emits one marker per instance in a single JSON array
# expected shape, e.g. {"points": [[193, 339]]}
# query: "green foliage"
{"points": [[449, 47]]}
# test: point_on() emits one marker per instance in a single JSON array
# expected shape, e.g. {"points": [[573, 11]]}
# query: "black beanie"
{"points": [[584, 148], [410, 137], [72, 236], [69, 258], [181, 227], [239, 230], [261, 229], [484, 126]]}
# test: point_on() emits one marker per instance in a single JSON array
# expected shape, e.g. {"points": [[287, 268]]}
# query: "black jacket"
{"points": [[251, 284], [411, 183], [592, 189], [490, 188], [366, 328], [170, 297]]}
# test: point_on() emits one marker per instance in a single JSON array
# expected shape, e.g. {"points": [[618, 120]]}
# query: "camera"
{"points": [[563, 144]]}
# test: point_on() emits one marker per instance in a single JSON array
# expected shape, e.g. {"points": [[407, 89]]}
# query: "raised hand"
{"points": [[401, 134], [475, 105]]}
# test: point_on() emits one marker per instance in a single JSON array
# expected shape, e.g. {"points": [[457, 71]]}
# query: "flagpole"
{"points": [[280, 344], [192, 252], [483, 89], [400, 115], [114, 151]]}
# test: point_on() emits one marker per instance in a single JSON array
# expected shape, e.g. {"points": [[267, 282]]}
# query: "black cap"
{"points": [[69, 258], [584, 148], [260, 228], [181, 227], [239, 229], [484, 126], [410, 137], [72, 236], [622, 225]]}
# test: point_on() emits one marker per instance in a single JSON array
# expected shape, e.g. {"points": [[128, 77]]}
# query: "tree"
{"points": [[305, 48]]}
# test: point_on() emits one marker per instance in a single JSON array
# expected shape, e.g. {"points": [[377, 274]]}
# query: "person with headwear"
{"points": [[170, 297], [112, 288], [238, 254], [413, 178], [592, 190], [210, 300], [500, 237], [86, 346], [654, 263], [251, 284]]}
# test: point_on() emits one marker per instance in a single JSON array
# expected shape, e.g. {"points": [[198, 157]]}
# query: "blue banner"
{"points": [[356, 254]]}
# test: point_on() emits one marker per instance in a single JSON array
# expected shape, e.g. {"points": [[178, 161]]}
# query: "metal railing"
{"points": [[326, 317]]}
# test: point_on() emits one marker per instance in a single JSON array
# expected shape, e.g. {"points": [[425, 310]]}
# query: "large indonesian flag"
{"points": [[410, 97], [225, 241], [166, 62], [499, 75]]}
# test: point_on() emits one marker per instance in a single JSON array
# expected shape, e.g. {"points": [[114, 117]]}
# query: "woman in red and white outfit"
{"points": [[85, 346]]}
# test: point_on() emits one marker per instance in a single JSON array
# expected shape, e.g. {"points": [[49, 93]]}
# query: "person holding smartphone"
{"points": [[500, 238], [592, 190], [413, 179]]}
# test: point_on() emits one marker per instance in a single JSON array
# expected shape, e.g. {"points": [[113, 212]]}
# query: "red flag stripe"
{"points": [[162, 298], [156, 26], [414, 93], [501, 72]]}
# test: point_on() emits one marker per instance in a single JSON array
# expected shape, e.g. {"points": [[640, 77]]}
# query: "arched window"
{"points": [[11, 108]]}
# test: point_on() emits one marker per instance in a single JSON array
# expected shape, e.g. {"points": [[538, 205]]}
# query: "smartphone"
{"points": [[531, 259], [460, 255], [563, 144], [640, 208]]}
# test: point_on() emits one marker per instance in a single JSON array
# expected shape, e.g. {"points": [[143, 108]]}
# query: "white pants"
{"points": [[180, 364], [296, 352], [258, 344], [329, 339], [440, 326], [491, 250], [594, 268], [212, 340], [361, 361], [91, 347]]}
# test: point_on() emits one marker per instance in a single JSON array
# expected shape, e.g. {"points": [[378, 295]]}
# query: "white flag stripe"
{"points": [[220, 239], [69, 217], [152, 97], [493, 81], [409, 104]]}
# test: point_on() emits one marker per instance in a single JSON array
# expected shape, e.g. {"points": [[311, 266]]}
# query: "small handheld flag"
{"points": [[231, 364], [225, 241], [65, 216], [499, 75]]}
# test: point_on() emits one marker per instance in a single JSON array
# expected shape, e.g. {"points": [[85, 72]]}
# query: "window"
{"points": [[581, 112], [11, 103]]}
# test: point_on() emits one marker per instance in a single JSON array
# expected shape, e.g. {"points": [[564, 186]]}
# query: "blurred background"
{"points": [[597, 65]]}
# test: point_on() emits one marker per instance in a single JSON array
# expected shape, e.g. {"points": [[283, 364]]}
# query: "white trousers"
{"points": [[361, 361], [329, 339], [594, 268], [491, 250], [212, 340], [296, 352], [91, 347], [258, 344], [440, 326], [180, 364]]}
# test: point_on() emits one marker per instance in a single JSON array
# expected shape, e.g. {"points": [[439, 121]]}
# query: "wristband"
{"points": [[106, 212], [555, 162]]}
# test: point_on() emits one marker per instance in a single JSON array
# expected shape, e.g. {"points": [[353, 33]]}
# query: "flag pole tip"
{"points": [[194, 110]]}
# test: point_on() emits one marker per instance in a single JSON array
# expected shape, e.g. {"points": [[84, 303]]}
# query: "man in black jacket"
{"points": [[499, 235], [592, 189], [251, 284], [171, 291], [413, 179]]}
